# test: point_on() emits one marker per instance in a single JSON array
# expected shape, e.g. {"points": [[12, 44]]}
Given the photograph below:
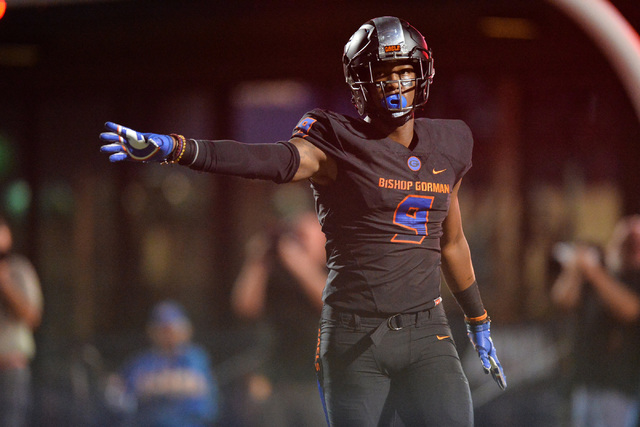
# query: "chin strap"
{"points": [[389, 122]]}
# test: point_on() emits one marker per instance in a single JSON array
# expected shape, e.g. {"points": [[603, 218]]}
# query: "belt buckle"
{"points": [[399, 321]]}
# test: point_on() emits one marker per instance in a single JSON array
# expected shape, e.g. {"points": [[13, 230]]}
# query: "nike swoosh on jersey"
{"points": [[442, 337], [435, 172]]}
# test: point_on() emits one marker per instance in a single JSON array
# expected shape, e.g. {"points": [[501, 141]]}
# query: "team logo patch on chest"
{"points": [[414, 163]]}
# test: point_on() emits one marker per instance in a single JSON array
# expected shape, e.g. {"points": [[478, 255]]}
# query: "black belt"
{"points": [[382, 323]]}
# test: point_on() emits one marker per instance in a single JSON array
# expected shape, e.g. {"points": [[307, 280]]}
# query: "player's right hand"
{"points": [[127, 144]]}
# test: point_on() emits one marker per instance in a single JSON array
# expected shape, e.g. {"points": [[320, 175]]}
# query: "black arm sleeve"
{"points": [[277, 162]]}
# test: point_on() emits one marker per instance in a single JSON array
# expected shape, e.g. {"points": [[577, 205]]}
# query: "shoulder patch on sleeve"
{"points": [[303, 127]]}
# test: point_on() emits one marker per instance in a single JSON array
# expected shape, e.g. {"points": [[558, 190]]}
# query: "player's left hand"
{"points": [[127, 144], [480, 336]]}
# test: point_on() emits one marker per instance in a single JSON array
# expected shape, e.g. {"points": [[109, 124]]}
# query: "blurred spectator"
{"points": [[281, 283], [20, 313], [603, 292], [170, 384]]}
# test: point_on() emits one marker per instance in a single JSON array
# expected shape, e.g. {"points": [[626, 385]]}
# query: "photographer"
{"points": [[603, 293], [280, 283]]}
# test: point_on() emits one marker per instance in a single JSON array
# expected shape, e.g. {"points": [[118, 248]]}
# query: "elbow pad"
{"points": [[277, 162]]}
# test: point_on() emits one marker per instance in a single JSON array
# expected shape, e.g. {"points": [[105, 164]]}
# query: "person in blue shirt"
{"points": [[171, 383]]}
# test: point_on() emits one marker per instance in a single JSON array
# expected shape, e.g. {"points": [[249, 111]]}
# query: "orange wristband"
{"points": [[478, 320]]}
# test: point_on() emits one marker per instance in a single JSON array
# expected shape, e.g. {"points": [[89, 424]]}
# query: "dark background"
{"points": [[556, 153]]}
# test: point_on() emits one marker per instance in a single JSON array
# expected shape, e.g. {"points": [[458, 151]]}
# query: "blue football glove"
{"points": [[127, 144], [480, 336]]}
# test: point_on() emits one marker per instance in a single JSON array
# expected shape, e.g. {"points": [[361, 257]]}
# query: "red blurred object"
{"points": [[3, 8]]}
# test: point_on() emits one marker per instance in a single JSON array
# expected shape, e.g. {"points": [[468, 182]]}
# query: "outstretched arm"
{"points": [[281, 162]]}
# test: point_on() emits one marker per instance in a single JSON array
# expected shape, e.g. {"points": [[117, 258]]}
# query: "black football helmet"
{"points": [[387, 39]]}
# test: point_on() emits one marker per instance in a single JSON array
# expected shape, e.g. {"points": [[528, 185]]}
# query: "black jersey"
{"points": [[383, 215]]}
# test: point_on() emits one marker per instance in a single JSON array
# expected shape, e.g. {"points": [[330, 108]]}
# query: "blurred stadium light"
{"points": [[617, 39]]}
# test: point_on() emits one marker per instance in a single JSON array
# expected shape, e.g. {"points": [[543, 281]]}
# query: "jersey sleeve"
{"points": [[316, 127], [456, 143], [466, 148]]}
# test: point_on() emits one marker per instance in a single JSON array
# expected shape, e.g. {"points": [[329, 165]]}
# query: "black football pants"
{"points": [[412, 376]]}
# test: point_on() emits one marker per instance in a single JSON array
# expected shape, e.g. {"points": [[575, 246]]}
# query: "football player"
{"points": [[386, 188]]}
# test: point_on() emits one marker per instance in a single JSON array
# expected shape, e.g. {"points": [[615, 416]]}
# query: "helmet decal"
{"points": [[381, 40]]}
